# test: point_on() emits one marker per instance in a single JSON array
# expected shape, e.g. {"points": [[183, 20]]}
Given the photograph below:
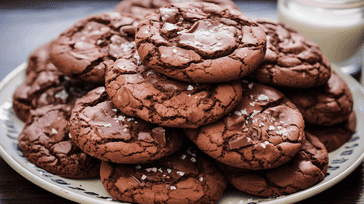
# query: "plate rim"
{"points": [[76, 197]]}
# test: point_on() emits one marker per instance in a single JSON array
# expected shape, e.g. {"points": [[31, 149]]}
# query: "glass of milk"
{"points": [[337, 26]]}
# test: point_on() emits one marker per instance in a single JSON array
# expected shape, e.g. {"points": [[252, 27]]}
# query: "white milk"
{"points": [[338, 32]]}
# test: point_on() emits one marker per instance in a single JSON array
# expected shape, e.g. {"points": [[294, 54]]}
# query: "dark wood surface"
{"points": [[14, 50]]}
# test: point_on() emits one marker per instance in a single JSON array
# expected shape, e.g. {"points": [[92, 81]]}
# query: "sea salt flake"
{"points": [[271, 127], [183, 156], [69, 135], [107, 125], [144, 177], [193, 159], [189, 88], [122, 118], [238, 113], [62, 95], [121, 66], [174, 50], [180, 173], [200, 179], [250, 86], [54, 131], [173, 188], [138, 167], [154, 169], [263, 97], [114, 109], [150, 72]]}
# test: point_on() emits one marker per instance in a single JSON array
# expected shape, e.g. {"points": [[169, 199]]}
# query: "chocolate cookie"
{"points": [[264, 131], [140, 8], [329, 104], [200, 42], [103, 131], [306, 169], [184, 177], [45, 142], [291, 60], [92, 44], [138, 91], [44, 85], [334, 136]]}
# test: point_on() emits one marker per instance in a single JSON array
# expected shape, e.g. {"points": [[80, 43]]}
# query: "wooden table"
{"points": [[16, 189]]}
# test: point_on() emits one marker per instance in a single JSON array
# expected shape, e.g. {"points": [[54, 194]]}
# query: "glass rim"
{"points": [[334, 4]]}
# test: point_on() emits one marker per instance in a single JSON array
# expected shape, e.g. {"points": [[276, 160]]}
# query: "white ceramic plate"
{"points": [[342, 161]]}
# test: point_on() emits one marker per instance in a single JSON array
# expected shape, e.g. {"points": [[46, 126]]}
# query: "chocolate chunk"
{"points": [[159, 134], [240, 141]]}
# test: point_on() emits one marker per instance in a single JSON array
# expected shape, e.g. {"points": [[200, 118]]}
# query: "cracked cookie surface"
{"points": [[336, 135], [200, 42], [264, 131], [327, 105], [183, 177], [306, 169], [103, 131], [92, 44], [140, 8], [45, 142], [139, 91], [291, 59], [44, 85]]}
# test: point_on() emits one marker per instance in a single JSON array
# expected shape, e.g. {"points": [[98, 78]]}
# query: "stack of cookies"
{"points": [[172, 102]]}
